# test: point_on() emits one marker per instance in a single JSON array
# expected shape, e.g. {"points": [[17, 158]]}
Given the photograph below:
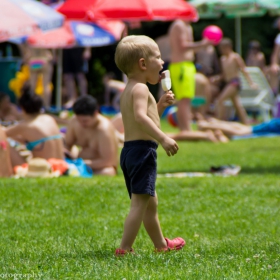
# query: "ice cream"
{"points": [[165, 80]]}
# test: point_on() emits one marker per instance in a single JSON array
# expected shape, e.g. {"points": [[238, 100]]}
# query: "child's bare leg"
{"points": [[184, 114], [241, 113], [228, 92], [139, 204], [152, 225]]}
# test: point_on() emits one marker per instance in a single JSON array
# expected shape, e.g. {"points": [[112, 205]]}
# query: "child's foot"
{"points": [[120, 252], [175, 244]]}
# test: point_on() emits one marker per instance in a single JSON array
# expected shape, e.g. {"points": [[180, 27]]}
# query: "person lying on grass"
{"points": [[214, 135], [139, 58], [95, 135], [231, 129]]}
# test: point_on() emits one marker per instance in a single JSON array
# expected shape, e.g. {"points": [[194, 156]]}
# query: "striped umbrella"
{"points": [[23, 17]]}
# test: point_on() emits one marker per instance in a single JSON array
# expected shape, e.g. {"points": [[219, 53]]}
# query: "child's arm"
{"points": [[140, 107], [241, 64], [166, 100]]}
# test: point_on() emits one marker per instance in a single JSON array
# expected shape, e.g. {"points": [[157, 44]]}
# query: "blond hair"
{"points": [[132, 48]]}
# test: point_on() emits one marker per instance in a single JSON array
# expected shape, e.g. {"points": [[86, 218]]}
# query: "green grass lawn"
{"points": [[68, 228]]}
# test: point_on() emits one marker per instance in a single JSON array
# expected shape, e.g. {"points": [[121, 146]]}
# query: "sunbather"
{"points": [[39, 132], [237, 129], [95, 135]]}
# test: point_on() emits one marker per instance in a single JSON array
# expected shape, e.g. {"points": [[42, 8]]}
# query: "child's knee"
{"points": [[153, 204]]}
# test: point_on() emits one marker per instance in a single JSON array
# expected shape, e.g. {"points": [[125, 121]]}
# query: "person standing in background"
{"points": [[182, 68], [40, 62], [75, 67]]}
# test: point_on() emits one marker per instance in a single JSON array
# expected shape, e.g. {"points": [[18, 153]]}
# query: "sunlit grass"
{"points": [[68, 228]]}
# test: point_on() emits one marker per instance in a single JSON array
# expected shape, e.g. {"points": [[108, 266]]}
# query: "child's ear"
{"points": [[142, 64]]}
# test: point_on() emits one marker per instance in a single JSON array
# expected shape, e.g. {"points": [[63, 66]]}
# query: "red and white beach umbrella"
{"points": [[128, 10], [23, 17]]}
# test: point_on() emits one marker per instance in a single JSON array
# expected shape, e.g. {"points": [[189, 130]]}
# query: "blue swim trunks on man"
{"points": [[139, 164], [272, 126]]}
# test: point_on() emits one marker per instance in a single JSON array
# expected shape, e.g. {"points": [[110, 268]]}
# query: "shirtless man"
{"points": [[231, 63], [95, 135], [182, 68], [8, 111]]}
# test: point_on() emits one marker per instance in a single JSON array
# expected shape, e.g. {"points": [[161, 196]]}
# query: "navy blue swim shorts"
{"points": [[139, 165]]}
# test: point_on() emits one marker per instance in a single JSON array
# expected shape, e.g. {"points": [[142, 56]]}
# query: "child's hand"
{"points": [[167, 99], [170, 146]]}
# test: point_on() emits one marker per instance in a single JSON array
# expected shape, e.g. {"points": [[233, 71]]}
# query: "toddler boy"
{"points": [[139, 58]]}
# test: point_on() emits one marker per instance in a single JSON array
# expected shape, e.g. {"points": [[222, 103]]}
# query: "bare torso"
{"points": [[230, 68], [133, 130], [35, 128], [95, 142], [179, 32]]}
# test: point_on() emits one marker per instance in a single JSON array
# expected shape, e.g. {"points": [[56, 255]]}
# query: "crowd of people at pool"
{"points": [[82, 137]]}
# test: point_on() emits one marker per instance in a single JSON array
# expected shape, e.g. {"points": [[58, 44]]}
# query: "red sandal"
{"points": [[175, 244], [120, 252]]}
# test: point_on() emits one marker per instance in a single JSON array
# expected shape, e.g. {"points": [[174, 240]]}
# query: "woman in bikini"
{"points": [[39, 132]]}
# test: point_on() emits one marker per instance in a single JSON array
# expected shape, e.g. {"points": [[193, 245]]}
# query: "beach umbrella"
{"points": [[23, 17], [272, 6], [128, 10], [76, 33]]}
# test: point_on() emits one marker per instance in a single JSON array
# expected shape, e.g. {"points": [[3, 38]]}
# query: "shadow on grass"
{"points": [[261, 170], [98, 254], [244, 170]]}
